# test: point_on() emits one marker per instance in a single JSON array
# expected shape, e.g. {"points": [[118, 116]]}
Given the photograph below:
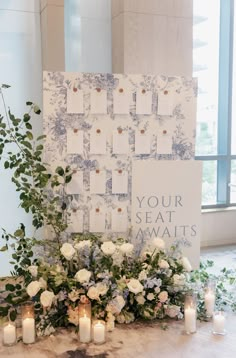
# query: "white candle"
{"points": [[9, 334], [84, 329], [190, 319], [99, 333], [28, 330], [219, 323], [209, 303]]}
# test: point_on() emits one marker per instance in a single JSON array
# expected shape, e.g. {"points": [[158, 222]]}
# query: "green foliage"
{"points": [[41, 193]]}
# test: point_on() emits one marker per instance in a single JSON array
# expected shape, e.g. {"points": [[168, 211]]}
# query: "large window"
{"points": [[213, 49]]}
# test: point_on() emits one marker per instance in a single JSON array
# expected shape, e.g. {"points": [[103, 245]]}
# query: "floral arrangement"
{"points": [[120, 286], [61, 272]]}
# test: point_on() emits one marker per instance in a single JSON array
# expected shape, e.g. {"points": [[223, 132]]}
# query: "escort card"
{"points": [[97, 220], [98, 182], [98, 101], [143, 102], [98, 144], [75, 141], [142, 142], [120, 142], [75, 221], [75, 186], [121, 101], [119, 220], [119, 182], [165, 103], [164, 143], [75, 100]]}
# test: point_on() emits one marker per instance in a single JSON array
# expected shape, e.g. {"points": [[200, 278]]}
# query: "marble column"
{"points": [[152, 36], [52, 32]]}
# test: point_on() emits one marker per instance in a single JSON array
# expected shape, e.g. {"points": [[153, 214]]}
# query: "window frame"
{"points": [[224, 156]]}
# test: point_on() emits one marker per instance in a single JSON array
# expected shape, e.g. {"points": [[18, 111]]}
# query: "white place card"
{"points": [[165, 105], [75, 100], [75, 186], [97, 220], [164, 143], [98, 101], [98, 182], [121, 101], [120, 142], [75, 141], [142, 142], [119, 182], [143, 102], [119, 220], [98, 142], [75, 221]]}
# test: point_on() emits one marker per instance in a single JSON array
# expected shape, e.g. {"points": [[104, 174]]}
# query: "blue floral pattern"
{"points": [[57, 122]]}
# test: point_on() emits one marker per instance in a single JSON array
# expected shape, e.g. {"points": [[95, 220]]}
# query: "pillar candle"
{"points": [[209, 302], [85, 329], [28, 330], [219, 323], [9, 334], [190, 319], [99, 333]]}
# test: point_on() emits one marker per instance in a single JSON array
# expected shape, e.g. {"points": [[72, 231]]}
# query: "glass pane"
{"points": [[206, 20], [233, 131], [209, 187], [233, 182]]}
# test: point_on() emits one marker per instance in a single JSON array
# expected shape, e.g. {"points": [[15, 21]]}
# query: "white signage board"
{"points": [[166, 203]]}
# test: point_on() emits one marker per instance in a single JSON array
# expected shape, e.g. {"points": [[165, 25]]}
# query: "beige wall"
{"points": [[52, 28], [152, 36]]}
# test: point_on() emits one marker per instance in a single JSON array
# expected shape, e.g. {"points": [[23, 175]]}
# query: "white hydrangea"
{"points": [[82, 244], [127, 248]]}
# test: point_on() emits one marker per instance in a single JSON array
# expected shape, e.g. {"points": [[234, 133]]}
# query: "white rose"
{"points": [[157, 289], [140, 299], [67, 251], [179, 280], [163, 264], [186, 264], [142, 275], [135, 286], [33, 288], [108, 248], [172, 311], [83, 276], [102, 288], [73, 295], [80, 245], [33, 270], [163, 296], [93, 293], [158, 243], [150, 296], [46, 298], [127, 248], [43, 283]]}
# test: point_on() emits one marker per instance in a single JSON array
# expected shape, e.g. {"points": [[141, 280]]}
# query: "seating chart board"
{"points": [[99, 124]]}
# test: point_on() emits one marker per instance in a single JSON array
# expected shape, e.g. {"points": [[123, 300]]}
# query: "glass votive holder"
{"points": [[190, 313], [84, 309], [28, 323], [99, 331], [219, 320], [9, 333], [85, 329], [209, 298]]}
